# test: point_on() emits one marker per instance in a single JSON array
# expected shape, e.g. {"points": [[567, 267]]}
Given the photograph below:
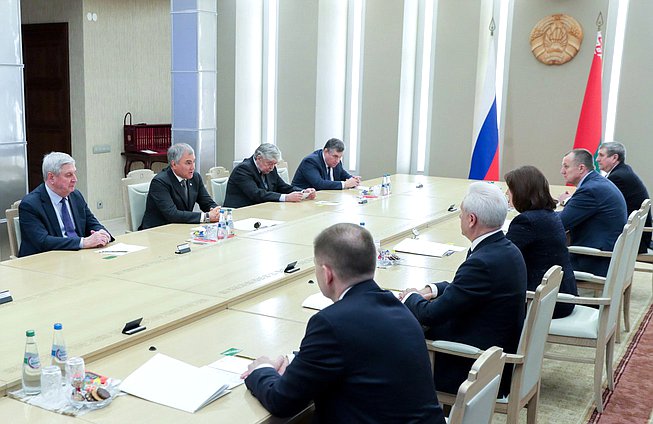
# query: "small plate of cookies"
{"points": [[94, 392]]}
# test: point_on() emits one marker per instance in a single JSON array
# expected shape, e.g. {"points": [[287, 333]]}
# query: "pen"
{"points": [[112, 251], [238, 355]]}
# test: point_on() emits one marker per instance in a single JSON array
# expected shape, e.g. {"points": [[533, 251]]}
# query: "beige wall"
{"points": [[543, 102], [381, 82], [634, 125], [454, 84], [127, 68], [296, 83]]}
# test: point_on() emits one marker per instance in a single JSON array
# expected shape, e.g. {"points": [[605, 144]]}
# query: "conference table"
{"points": [[231, 294]]}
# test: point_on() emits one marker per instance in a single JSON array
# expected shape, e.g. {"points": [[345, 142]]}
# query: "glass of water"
{"points": [[75, 373], [51, 382]]}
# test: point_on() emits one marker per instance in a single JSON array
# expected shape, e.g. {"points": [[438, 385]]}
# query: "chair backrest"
{"points": [[214, 172], [623, 257], [219, 189], [640, 221], [138, 176], [534, 332], [477, 395], [13, 229], [282, 169], [137, 202]]}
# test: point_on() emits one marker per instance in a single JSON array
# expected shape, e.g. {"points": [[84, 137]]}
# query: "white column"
{"points": [[194, 77], [12, 108]]}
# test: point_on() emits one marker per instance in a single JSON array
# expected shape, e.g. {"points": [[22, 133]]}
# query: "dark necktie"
{"points": [[469, 252], [330, 172], [265, 181], [68, 225], [184, 185]]}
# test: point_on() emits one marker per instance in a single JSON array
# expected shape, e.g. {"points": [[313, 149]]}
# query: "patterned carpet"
{"points": [[566, 390]]}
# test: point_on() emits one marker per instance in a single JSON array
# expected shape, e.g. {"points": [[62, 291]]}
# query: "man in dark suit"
{"points": [[484, 305], [175, 190], [612, 159], [55, 215], [255, 180], [363, 359], [594, 215], [323, 169]]}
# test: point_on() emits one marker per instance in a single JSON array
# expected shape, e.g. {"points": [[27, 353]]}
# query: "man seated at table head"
{"points": [[484, 305], [323, 169], [363, 359], [596, 213], [55, 216], [612, 160], [256, 180], [175, 190]]}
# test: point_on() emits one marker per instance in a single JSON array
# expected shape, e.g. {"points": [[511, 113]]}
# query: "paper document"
{"points": [[174, 383], [120, 249], [148, 151], [231, 368], [248, 224], [326, 203], [428, 248], [317, 301]]}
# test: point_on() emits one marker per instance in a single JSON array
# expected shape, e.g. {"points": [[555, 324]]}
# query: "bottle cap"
{"points": [[362, 224], [29, 333], [58, 326]]}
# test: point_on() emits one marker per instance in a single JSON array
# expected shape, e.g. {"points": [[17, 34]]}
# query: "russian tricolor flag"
{"points": [[485, 151]]}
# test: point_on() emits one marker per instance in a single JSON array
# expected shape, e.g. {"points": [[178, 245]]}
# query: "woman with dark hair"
{"points": [[538, 232]]}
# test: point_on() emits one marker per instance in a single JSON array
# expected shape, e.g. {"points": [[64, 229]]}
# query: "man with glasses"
{"points": [[323, 169], [594, 215], [255, 180]]}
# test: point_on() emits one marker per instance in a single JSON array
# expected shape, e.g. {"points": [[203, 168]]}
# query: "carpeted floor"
{"points": [[566, 390]]}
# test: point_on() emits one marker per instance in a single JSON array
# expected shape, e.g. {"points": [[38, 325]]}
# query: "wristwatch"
{"points": [[207, 217]]}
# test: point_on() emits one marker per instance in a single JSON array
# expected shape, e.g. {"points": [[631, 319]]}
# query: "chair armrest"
{"points": [[513, 358], [579, 300], [453, 348], [529, 295], [648, 229], [590, 251], [587, 276]]}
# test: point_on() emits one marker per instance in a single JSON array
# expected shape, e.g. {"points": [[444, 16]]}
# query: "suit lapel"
{"points": [[74, 211], [177, 188], [49, 211], [323, 166]]}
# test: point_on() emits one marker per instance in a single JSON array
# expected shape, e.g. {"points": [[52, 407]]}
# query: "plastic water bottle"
{"points": [[388, 184], [230, 221], [221, 231], [384, 185], [31, 365], [59, 353]]}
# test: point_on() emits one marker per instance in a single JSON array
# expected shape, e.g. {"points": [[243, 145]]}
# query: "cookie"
{"points": [[100, 394]]}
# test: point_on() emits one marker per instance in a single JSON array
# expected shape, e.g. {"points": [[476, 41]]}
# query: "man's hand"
{"points": [[562, 199], [214, 214], [278, 364], [310, 192], [352, 182], [97, 239], [295, 196], [425, 293]]}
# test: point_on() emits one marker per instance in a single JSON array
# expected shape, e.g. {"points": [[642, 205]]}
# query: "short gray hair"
{"points": [[176, 151], [53, 161], [335, 144], [487, 202], [268, 151], [615, 148]]}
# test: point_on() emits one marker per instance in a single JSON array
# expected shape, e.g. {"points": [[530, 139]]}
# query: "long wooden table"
{"points": [[196, 305]]}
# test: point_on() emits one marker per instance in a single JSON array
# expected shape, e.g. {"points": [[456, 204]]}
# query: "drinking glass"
{"points": [[75, 373], [51, 382]]}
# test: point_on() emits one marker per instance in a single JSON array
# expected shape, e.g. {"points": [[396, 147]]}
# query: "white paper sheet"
{"points": [[120, 249], [174, 383], [248, 224], [428, 248], [317, 301], [233, 364]]}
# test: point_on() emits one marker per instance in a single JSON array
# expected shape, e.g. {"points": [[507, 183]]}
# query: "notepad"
{"points": [[428, 248], [317, 301], [231, 368], [176, 384]]}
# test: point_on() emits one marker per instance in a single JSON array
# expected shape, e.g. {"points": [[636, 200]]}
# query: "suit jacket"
{"points": [[167, 202], [362, 360], [312, 172], [541, 238], [594, 216], [634, 192], [39, 226], [483, 306], [245, 186]]}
